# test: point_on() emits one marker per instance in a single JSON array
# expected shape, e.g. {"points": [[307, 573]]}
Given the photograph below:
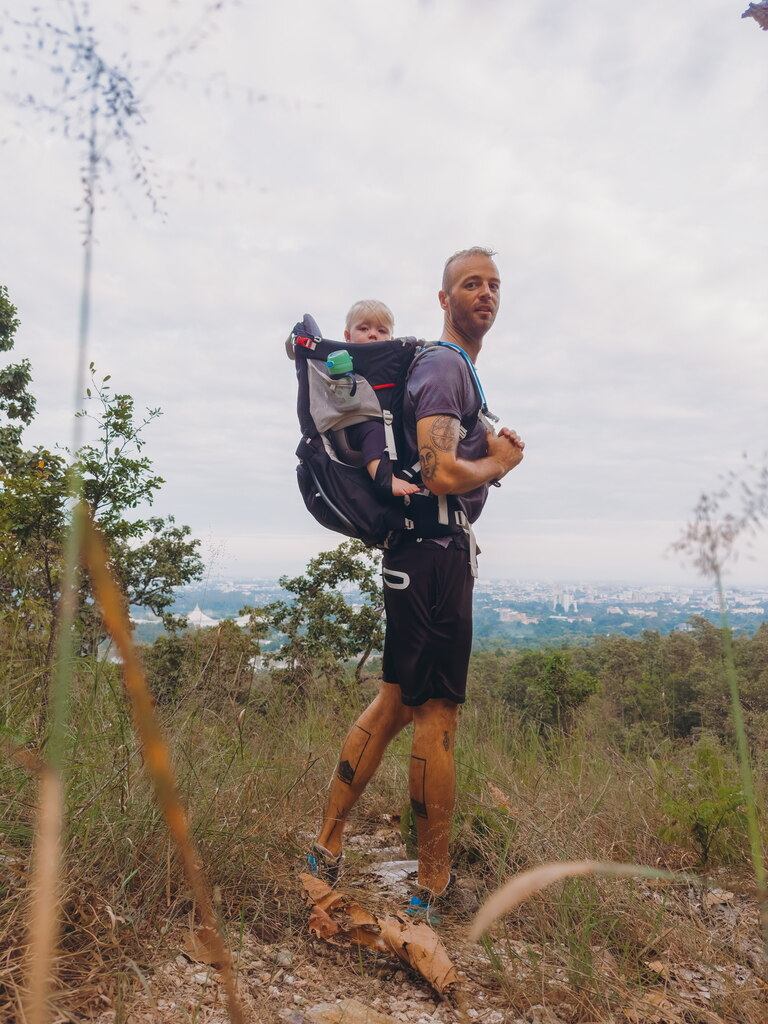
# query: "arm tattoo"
{"points": [[428, 459], [444, 433]]}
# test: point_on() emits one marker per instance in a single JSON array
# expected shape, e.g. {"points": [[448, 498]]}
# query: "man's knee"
{"points": [[435, 711]]}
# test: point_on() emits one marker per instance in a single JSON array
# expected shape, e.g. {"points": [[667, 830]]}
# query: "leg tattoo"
{"points": [[354, 748], [446, 741], [420, 805]]}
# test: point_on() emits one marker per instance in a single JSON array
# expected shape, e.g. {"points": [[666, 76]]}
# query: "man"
{"points": [[428, 583]]}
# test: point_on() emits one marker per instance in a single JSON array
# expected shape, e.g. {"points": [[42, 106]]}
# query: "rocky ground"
{"points": [[308, 980]]}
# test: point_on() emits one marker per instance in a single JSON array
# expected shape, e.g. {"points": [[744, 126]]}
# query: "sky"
{"points": [[307, 154]]}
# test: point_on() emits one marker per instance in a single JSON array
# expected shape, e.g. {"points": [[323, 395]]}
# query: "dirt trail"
{"points": [[301, 979]]}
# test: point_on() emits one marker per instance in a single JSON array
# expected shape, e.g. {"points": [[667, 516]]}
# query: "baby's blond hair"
{"points": [[370, 308]]}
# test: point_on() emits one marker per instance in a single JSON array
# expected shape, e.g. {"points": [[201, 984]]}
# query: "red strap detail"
{"points": [[378, 387], [303, 341]]}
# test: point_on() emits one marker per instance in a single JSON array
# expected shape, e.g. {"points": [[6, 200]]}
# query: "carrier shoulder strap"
{"points": [[486, 417]]}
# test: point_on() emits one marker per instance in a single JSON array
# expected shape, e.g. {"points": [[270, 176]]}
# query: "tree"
{"points": [[521, 677], [149, 556], [221, 661], [546, 687], [33, 517], [562, 690], [115, 475], [619, 667], [33, 493], [15, 400], [322, 631]]}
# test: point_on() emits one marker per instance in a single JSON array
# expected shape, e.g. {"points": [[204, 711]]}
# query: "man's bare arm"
{"points": [[443, 472]]}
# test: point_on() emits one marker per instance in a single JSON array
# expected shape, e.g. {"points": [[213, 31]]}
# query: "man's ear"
{"points": [[347, 335], [442, 298]]}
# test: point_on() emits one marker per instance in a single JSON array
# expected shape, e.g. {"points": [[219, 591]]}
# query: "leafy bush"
{"points": [[704, 803]]}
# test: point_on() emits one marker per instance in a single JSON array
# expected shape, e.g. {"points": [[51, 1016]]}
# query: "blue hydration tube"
{"points": [[473, 371]]}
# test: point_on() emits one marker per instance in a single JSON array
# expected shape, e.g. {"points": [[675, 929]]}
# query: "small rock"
{"points": [[348, 1011], [291, 1017], [283, 957]]}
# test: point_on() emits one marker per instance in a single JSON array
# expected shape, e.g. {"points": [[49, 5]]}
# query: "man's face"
{"points": [[368, 329], [471, 299]]}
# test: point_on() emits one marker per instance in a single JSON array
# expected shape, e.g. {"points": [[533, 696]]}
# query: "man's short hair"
{"points": [[476, 250], [370, 308]]}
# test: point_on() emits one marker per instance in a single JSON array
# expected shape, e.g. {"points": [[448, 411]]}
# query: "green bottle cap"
{"points": [[339, 363]]}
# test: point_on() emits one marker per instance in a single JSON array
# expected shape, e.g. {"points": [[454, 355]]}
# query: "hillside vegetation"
{"points": [[617, 751]]}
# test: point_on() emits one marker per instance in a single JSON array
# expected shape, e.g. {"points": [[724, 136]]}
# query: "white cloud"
{"points": [[315, 153]]}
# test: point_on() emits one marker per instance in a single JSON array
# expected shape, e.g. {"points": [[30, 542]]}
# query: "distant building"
{"points": [[565, 599], [510, 615], [197, 619]]}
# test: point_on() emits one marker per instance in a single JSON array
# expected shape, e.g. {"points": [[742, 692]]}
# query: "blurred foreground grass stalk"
{"points": [[724, 520], [43, 915]]}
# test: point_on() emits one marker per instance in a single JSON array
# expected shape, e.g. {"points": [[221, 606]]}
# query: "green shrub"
{"points": [[703, 802]]}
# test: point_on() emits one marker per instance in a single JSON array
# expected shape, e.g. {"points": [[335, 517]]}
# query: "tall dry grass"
{"points": [[252, 766], [31, 997]]}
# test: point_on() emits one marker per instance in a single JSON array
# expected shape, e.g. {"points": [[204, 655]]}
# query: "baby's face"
{"points": [[368, 329]]}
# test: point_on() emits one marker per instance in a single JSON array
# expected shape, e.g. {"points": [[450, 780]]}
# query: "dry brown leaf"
{"points": [[338, 919], [658, 967], [499, 798], [717, 896], [322, 924], [519, 888], [319, 891], [24, 756], [417, 944]]}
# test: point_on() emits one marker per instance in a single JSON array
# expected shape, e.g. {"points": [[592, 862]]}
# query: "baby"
{"points": [[370, 320]]}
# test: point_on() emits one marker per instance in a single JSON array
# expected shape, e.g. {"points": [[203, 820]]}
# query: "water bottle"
{"points": [[340, 369], [339, 364]]}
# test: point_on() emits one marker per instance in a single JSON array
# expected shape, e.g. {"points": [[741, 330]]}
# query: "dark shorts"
{"points": [[428, 601]]}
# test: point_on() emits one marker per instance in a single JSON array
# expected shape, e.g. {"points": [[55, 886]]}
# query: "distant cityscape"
{"points": [[513, 611]]}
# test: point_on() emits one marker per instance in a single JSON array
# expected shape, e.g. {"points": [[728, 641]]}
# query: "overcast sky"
{"points": [[314, 152]]}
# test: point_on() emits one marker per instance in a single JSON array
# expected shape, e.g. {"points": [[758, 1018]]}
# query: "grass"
{"points": [[254, 775], [725, 522]]}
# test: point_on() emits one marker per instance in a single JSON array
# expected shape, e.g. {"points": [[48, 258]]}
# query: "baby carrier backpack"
{"points": [[343, 384]]}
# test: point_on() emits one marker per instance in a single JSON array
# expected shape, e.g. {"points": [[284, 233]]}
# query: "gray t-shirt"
{"points": [[440, 384]]}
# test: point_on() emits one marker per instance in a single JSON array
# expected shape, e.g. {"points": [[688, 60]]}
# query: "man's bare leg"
{"points": [[366, 741], [432, 785]]}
